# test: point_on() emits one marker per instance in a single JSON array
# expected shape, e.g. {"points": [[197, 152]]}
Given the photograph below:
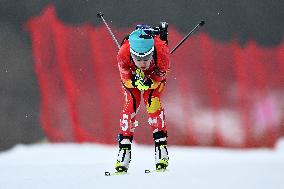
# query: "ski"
{"points": [[115, 173], [147, 171]]}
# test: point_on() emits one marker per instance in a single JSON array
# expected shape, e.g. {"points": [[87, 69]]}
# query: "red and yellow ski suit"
{"points": [[157, 71]]}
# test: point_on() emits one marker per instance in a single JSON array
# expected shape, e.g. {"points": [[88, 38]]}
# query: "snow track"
{"points": [[82, 166]]}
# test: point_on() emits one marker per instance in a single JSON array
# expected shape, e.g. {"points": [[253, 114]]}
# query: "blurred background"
{"points": [[60, 82]]}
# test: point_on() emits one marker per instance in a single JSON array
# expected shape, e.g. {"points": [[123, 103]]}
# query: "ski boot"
{"points": [[124, 154], [161, 151]]}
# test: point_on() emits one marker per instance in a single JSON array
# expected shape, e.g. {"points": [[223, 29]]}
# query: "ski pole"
{"points": [[101, 15], [181, 42]]}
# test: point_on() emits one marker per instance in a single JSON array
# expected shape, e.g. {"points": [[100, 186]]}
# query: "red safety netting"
{"points": [[217, 93]]}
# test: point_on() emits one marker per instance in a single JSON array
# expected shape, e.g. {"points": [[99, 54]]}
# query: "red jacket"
{"points": [[158, 67]]}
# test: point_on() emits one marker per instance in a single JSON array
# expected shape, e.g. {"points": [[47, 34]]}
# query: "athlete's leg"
{"points": [[127, 127], [158, 124]]}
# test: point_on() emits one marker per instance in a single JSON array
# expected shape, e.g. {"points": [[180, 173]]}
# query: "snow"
{"points": [[82, 166]]}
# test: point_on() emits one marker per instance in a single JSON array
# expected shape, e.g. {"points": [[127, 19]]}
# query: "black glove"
{"points": [[140, 84], [134, 78], [148, 82]]}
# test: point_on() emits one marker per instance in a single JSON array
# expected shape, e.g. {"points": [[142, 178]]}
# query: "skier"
{"points": [[143, 62]]}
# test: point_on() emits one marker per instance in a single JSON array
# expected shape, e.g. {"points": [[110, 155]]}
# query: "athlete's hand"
{"points": [[139, 73], [139, 81], [141, 85]]}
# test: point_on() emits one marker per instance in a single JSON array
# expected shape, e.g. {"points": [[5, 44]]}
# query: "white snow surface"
{"points": [[82, 166]]}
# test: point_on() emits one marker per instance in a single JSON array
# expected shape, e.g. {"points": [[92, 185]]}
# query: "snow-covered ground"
{"points": [[82, 166]]}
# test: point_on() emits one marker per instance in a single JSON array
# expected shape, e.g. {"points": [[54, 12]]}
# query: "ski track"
{"points": [[74, 166]]}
